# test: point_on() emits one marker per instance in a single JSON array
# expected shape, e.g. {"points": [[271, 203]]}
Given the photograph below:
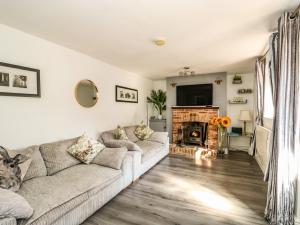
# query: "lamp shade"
{"points": [[245, 115]]}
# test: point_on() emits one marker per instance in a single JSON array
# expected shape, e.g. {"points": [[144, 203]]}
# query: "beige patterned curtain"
{"points": [[260, 68], [282, 171]]}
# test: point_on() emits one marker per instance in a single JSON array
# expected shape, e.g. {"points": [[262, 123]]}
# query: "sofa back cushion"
{"points": [[56, 156], [111, 157], [108, 136], [130, 133], [37, 166]]}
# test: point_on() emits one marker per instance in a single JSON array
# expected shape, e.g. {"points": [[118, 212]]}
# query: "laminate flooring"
{"points": [[178, 191]]}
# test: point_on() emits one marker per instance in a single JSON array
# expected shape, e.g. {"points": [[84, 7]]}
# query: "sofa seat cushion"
{"points": [[149, 148], [53, 196], [160, 137]]}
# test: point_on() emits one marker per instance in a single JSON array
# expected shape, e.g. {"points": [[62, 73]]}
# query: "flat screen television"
{"points": [[194, 95]]}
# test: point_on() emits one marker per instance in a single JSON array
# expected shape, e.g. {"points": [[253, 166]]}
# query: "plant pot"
{"points": [[159, 117]]}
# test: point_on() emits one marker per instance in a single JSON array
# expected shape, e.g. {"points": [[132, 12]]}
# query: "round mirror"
{"points": [[86, 93]]}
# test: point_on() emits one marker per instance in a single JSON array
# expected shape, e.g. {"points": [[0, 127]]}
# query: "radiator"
{"points": [[263, 139]]}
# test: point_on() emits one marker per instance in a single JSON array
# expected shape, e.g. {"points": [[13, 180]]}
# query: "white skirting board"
{"points": [[297, 220]]}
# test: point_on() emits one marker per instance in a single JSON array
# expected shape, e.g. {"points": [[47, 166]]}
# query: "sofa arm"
{"points": [[136, 163], [127, 170], [8, 221], [131, 146], [160, 137]]}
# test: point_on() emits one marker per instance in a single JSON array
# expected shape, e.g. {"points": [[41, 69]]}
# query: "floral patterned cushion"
{"points": [[85, 149], [143, 131], [120, 133]]}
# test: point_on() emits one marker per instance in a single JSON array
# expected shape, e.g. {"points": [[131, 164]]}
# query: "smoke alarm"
{"points": [[160, 42]]}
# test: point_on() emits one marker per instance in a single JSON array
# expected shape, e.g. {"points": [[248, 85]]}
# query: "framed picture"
{"points": [[124, 94], [19, 81]]}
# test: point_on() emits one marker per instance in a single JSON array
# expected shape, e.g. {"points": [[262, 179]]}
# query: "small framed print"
{"points": [[125, 94], [19, 81]]}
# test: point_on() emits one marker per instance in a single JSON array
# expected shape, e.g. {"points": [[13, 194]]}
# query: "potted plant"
{"points": [[158, 99]]}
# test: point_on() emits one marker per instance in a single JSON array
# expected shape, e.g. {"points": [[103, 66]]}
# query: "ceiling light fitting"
{"points": [[160, 42], [186, 72]]}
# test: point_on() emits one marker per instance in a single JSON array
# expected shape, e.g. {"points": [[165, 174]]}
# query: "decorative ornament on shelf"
{"points": [[238, 100], [158, 99], [222, 123], [237, 79], [245, 91], [186, 72]]}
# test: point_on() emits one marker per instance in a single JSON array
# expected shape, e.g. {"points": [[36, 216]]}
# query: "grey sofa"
{"points": [[63, 191], [145, 153]]}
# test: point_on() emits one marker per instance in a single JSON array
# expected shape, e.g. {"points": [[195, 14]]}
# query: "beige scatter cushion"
{"points": [[25, 165], [86, 149], [143, 131], [120, 133], [37, 166]]}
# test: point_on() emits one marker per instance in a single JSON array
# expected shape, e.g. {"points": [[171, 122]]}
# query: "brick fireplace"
{"points": [[190, 126]]}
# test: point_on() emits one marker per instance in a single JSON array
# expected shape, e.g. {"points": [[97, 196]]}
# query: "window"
{"points": [[268, 101]]}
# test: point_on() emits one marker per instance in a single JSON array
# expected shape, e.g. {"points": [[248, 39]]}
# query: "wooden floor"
{"points": [[177, 191]]}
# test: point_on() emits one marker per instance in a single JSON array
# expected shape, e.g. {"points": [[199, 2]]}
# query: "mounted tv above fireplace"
{"points": [[194, 95]]}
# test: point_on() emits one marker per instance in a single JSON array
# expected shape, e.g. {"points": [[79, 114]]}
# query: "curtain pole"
{"points": [[295, 12]]}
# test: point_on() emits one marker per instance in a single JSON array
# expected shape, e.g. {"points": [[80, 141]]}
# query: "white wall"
{"points": [[233, 110], [57, 115], [160, 84]]}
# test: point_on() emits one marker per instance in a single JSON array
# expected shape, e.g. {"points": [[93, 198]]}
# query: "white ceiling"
{"points": [[208, 35]]}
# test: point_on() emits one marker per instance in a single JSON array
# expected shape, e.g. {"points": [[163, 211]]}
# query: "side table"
{"points": [[234, 135]]}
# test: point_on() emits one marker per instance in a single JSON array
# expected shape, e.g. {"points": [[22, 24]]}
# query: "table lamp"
{"points": [[245, 116]]}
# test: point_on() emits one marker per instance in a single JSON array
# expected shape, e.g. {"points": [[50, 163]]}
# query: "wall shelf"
{"points": [[238, 102]]}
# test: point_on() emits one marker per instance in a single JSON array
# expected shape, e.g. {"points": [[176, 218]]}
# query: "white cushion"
{"points": [[14, 205]]}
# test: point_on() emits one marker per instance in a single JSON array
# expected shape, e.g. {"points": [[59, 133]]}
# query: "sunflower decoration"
{"points": [[214, 121], [219, 120], [225, 121], [222, 122]]}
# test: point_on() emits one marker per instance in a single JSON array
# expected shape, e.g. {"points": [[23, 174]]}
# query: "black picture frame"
{"points": [[130, 91], [38, 85]]}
